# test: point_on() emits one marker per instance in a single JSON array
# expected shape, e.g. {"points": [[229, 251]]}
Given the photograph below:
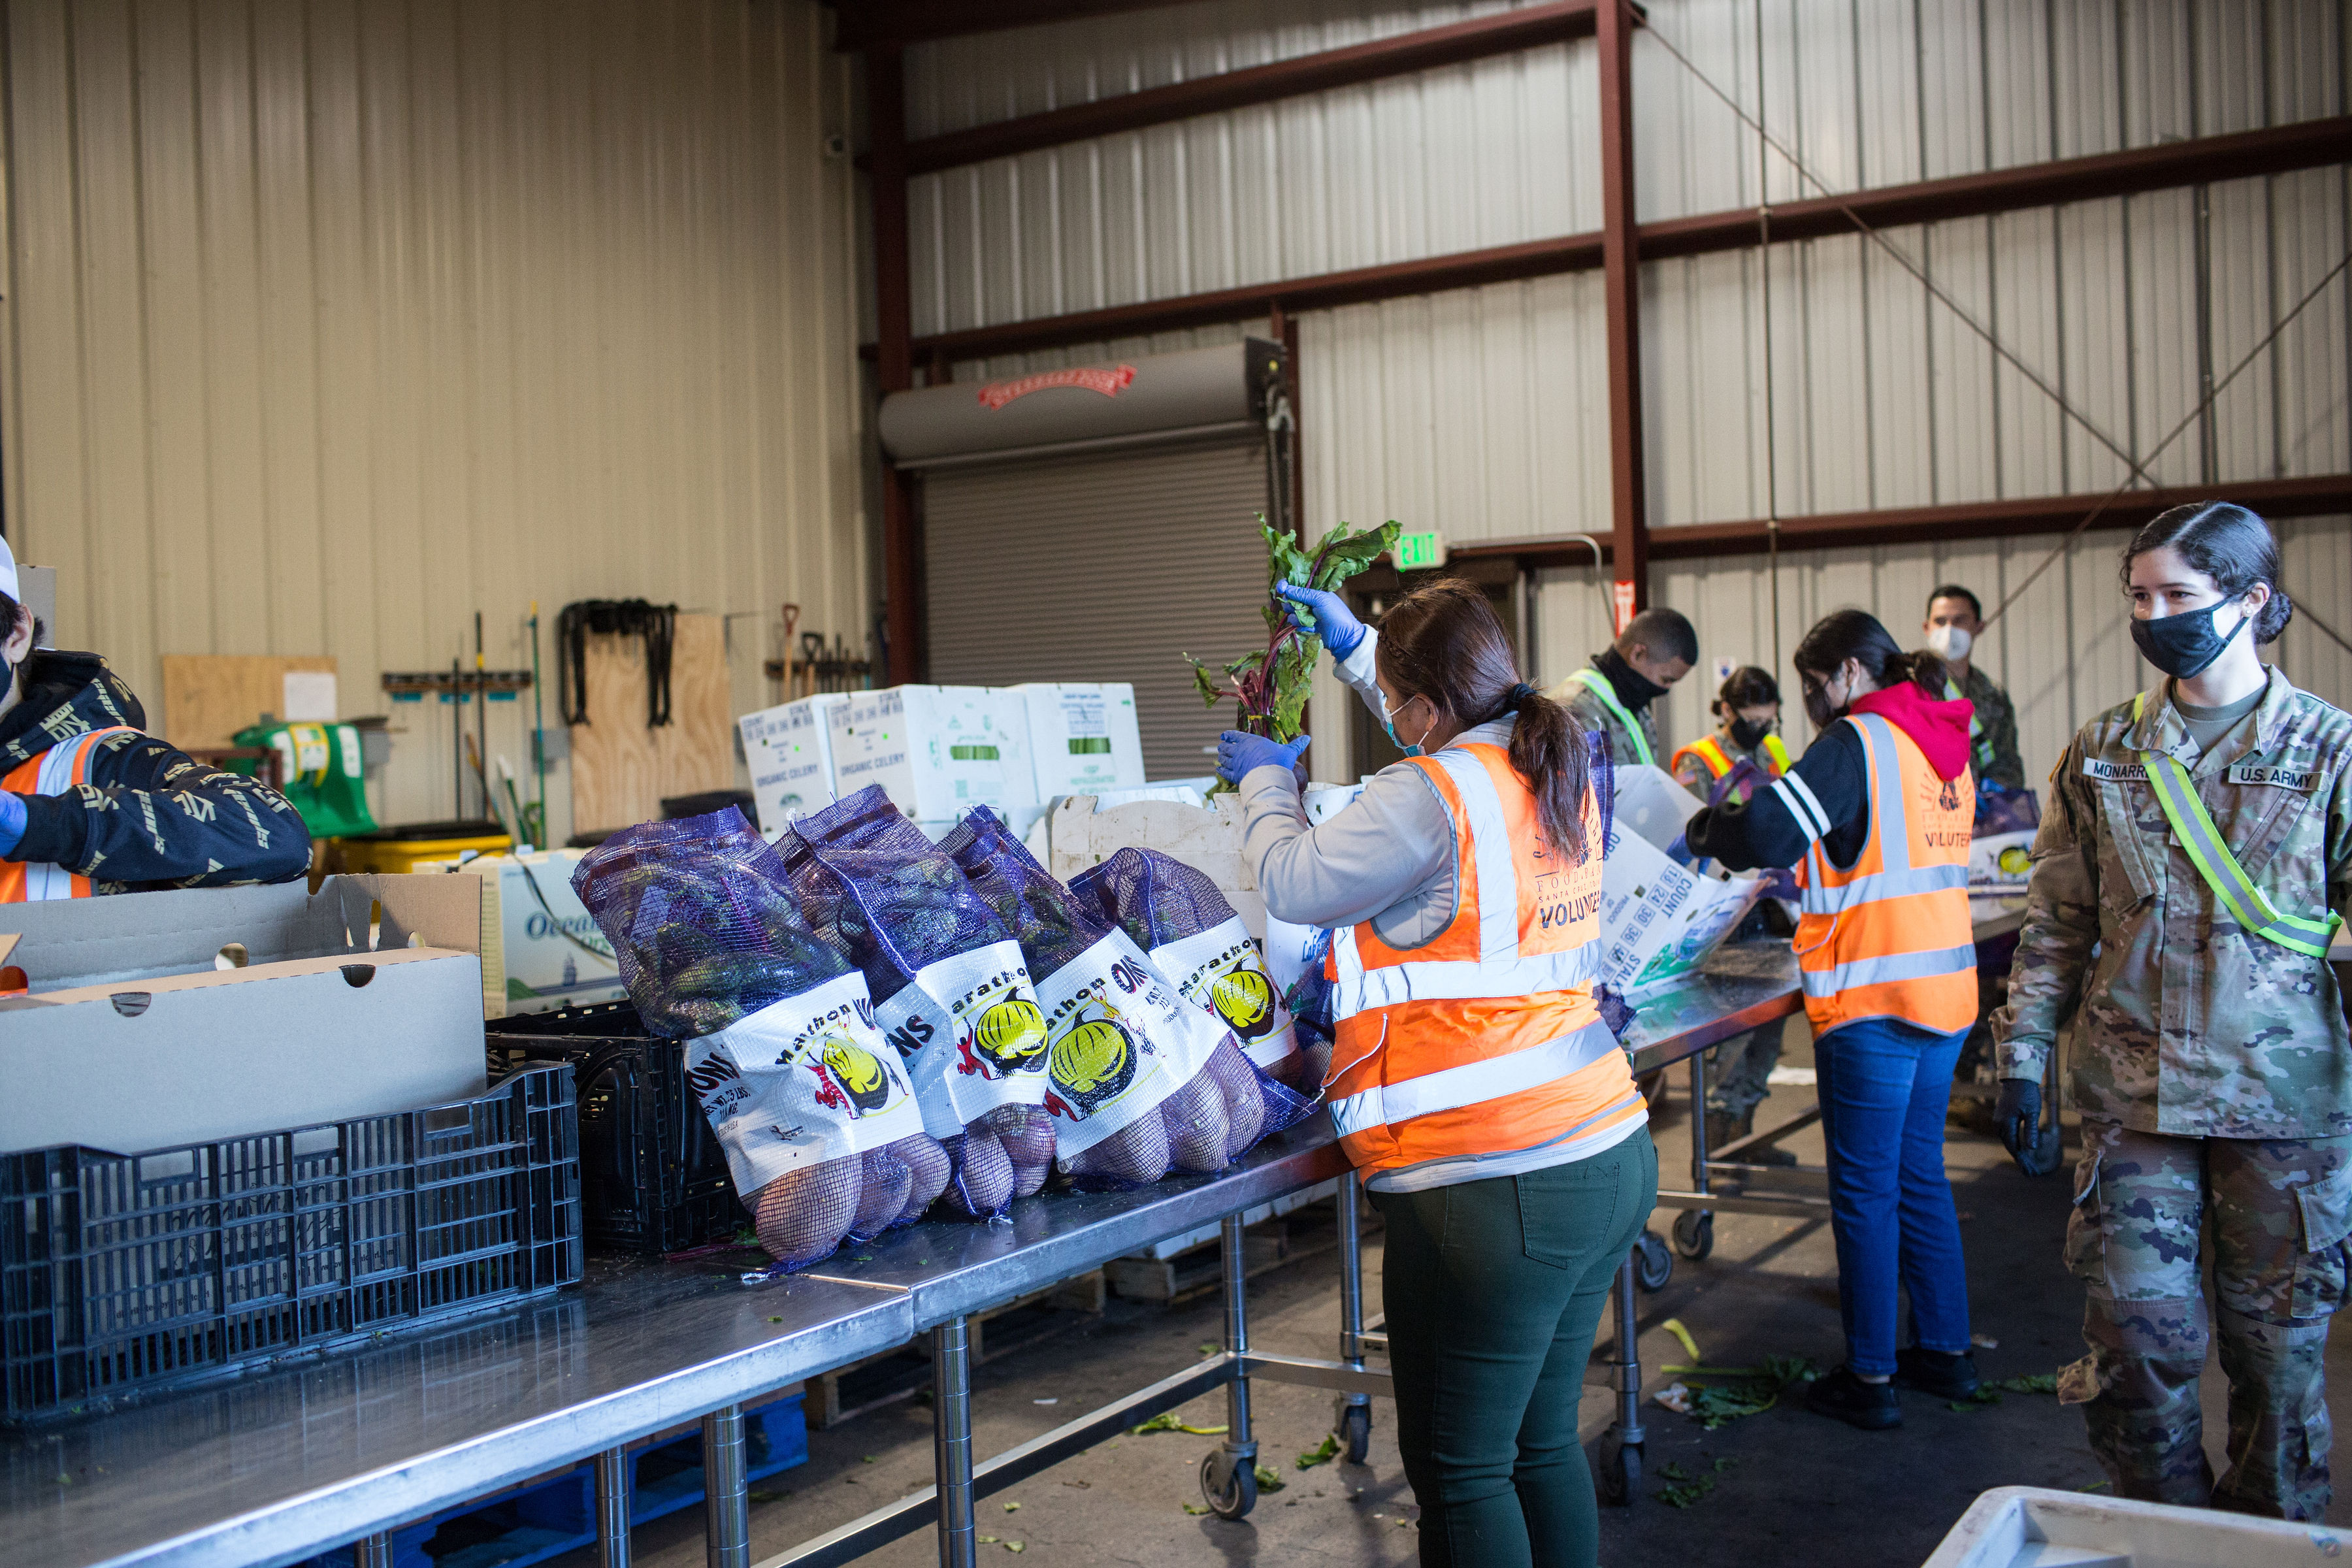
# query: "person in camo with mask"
{"points": [[2194, 864], [90, 804], [1955, 618], [1614, 693]]}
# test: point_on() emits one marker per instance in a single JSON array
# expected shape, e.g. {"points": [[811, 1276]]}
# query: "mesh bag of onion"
{"points": [[958, 1007], [816, 1116]]}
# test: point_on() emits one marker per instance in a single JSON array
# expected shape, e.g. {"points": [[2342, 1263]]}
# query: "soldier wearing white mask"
{"points": [[1954, 618]]}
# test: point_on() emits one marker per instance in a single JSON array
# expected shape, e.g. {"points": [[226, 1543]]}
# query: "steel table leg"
{"points": [[1239, 1440], [373, 1551], [612, 1508], [951, 1440], [1620, 1449], [725, 1495], [1351, 1418], [1698, 1119]]}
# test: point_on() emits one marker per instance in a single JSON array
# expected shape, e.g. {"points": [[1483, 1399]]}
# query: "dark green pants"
{"points": [[1493, 1290]]}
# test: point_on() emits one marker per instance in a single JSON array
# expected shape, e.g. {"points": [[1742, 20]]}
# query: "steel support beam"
{"points": [[1621, 255], [866, 24], [885, 110], [2203, 160], [1426, 49], [2316, 496]]}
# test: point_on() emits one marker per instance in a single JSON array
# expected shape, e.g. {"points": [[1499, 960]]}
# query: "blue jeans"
{"points": [[1884, 1085]]}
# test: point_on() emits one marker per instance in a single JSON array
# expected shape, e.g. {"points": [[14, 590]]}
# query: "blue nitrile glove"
{"points": [[1335, 623], [1240, 754], [1679, 851], [12, 822]]}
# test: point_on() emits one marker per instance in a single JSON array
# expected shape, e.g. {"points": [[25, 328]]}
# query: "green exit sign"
{"points": [[1418, 551]]}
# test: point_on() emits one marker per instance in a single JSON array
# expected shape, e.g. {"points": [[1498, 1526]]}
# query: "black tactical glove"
{"points": [[2019, 1119]]}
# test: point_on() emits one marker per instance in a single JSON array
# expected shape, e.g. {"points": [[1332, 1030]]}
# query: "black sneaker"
{"points": [[1846, 1397], [1939, 1373]]}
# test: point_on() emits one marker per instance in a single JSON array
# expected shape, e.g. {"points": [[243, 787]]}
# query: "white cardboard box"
{"points": [[142, 1030], [936, 750], [1660, 919], [1083, 738], [789, 751]]}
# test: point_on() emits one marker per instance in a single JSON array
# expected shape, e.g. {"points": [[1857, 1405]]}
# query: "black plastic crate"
{"points": [[126, 1273], [652, 1178]]}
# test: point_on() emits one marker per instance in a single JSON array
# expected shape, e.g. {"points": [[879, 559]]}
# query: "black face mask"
{"points": [[1748, 733], [2183, 644]]}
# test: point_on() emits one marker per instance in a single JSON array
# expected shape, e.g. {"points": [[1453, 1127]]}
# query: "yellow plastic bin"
{"points": [[398, 851]]}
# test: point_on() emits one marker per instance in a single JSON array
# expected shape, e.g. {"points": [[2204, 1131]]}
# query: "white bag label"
{"points": [[972, 1036], [1121, 1040], [1220, 971], [799, 1082]]}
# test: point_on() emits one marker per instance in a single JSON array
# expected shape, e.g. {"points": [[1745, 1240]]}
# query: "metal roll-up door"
{"points": [[1102, 568]]}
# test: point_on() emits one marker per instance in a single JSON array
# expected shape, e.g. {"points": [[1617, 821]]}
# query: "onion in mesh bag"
{"points": [[1028, 1132], [982, 1182], [1131, 1157], [884, 1182], [803, 1214], [1244, 1102], [1198, 1129], [927, 1167]]}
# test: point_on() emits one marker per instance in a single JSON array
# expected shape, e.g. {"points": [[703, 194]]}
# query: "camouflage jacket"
{"points": [[1992, 738], [2187, 1024], [149, 815], [1594, 714]]}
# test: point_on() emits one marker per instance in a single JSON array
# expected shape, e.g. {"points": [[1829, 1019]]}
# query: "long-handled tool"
{"points": [[523, 839]]}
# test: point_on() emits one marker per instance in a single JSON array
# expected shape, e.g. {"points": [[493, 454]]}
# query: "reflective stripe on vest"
{"points": [[2176, 793], [1598, 684], [1707, 749], [1889, 935], [1980, 743], [1778, 752], [54, 772], [1485, 1039]]}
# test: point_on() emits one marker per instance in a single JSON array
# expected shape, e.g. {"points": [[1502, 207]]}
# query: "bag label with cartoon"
{"points": [[799, 1082], [971, 1035], [1220, 971], [1120, 1040]]}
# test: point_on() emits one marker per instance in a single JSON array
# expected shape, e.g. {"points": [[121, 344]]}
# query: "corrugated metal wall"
{"points": [[1484, 412], [334, 321]]}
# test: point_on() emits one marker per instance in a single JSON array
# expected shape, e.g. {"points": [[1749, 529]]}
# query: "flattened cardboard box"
{"points": [[142, 1030]]}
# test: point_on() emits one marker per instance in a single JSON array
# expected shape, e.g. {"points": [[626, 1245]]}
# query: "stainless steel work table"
{"points": [[274, 1467]]}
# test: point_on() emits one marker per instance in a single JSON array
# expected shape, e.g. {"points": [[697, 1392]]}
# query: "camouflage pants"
{"points": [[1737, 1069], [2277, 1215]]}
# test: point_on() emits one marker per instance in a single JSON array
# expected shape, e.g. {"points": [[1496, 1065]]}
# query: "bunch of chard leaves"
{"points": [[1271, 684]]}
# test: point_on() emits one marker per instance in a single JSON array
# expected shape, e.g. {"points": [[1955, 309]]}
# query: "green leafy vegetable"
{"points": [[1683, 1488], [1166, 1421], [1269, 1479], [1271, 684], [1323, 1453]]}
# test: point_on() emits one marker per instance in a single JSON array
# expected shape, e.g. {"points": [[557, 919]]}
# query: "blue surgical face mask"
{"points": [[1397, 740]]}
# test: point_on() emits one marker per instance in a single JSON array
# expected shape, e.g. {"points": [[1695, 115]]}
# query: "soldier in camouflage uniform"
{"points": [[1614, 693], [2209, 1061]]}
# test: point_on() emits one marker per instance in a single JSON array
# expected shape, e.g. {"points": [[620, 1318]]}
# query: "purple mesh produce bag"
{"points": [[957, 1003], [1123, 1042], [1191, 933], [817, 1120]]}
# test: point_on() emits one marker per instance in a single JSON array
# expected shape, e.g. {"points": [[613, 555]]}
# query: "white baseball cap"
{"points": [[8, 572]]}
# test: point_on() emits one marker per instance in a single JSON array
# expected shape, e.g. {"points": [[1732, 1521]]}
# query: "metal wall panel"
{"points": [[332, 322]]}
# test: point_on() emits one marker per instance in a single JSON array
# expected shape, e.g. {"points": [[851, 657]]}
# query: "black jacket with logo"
{"points": [[149, 815]]}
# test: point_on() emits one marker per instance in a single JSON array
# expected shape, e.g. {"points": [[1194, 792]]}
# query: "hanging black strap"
{"points": [[657, 624]]}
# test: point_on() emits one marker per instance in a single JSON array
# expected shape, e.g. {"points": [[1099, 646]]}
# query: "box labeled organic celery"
{"points": [[1083, 738], [789, 751], [936, 750]]}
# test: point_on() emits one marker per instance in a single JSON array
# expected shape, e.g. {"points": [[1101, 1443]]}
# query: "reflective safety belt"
{"points": [[1598, 684], [1979, 745], [2193, 825]]}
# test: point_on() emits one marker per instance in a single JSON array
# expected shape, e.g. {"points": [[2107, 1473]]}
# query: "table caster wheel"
{"points": [[1693, 1233], [1617, 1472], [1654, 1265], [1228, 1486], [1356, 1433]]}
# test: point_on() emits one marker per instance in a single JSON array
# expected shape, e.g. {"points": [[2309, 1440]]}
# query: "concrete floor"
{"points": [[1797, 1488]]}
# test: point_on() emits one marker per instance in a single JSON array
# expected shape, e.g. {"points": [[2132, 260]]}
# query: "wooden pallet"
{"points": [[1268, 1245], [895, 1374]]}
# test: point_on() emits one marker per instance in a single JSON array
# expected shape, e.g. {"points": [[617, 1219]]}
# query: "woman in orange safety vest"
{"points": [[1747, 724], [1877, 817], [1486, 1104]]}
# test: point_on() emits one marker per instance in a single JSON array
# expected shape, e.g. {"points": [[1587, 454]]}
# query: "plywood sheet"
{"points": [[209, 696], [621, 771]]}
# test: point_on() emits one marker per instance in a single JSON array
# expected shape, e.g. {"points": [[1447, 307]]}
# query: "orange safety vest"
{"points": [[1486, 1040], [1888, 937], [54, 772], [1708, 749]]}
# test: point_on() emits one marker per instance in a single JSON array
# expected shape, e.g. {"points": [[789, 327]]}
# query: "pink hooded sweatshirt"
{"points": [[1939, 726]]}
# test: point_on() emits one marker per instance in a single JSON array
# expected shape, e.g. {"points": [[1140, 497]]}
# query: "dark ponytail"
{"points": [[1842, 635], [1443, 642]]}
